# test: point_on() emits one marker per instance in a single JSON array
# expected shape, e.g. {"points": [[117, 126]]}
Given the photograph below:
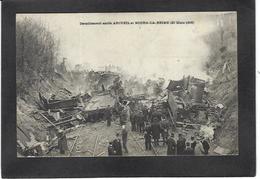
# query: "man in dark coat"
{"points": [[117, 145], [62, 141], [140, 121], [193, 143], [156, 129], [171, 145], [206, 146], [188, 150], [151, 111], [145, 113], [123, 116], [181, 145], [164, 130], [148, 138], [108, 115], [133, 120], [165, 135]]}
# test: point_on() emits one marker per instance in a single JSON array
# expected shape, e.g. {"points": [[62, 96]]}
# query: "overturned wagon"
{"points": [[99, 105], [59, 104]]}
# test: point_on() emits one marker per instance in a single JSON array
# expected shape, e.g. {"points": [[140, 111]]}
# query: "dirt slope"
{"points": [[222, 67]]}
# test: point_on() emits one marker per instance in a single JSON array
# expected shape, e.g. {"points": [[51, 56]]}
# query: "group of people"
{"points": [[155, 129], [138, 119], [159, 129], [183, 147]]}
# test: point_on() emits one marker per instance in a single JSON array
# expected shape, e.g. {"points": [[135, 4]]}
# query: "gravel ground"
{"points": [[92, 140]]}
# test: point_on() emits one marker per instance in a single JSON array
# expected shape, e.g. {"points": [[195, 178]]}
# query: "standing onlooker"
{"points": [[133, 120], [171, 149], [181, 145], [108, 115], [145, 113], [156, 129], [206, 146], [164, 129], [165, 135], [193, 143], [140, 121], [147, 139], [117, 145]]}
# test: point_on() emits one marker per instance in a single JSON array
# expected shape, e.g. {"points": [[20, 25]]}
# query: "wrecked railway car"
{"points": [[59, 104], [186, 98], [96, 107]]}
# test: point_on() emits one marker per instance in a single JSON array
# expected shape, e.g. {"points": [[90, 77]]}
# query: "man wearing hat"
{"points": [[171, 145], [181, 145], [148, 137], [156, 129]]}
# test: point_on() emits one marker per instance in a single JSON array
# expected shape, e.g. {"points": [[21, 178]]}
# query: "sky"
{"points": [[144, 50]]}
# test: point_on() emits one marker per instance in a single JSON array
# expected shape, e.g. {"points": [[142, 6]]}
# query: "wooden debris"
{"points": [[23, 132], [73, 145], [47, 119], [184, 123], [64, 122], [101, 153], [74, 142], [136, 141], [95, 146], [154, 151], [89, 151], [171, 117]]}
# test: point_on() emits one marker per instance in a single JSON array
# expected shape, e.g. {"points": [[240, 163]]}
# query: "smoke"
{"points": [[145, 51]]}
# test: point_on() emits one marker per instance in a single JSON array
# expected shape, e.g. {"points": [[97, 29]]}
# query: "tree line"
{"points": [[36, 53]]}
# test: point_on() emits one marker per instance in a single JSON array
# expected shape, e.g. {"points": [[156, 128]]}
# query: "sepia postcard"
{"points": [[135, 84]]}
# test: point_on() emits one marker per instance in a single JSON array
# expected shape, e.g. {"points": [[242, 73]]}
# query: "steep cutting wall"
{"points": [[222, 67]]}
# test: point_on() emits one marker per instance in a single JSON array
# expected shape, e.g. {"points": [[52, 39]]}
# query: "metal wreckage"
{"points": [[185, 104]]}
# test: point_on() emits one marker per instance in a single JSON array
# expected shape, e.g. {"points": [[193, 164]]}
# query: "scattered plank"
{"points": [[64, 122], [48, 120], [94, 150], [89, 151], [136, 141], [185, 123], [154, 151], [23, 132], [171, 117], [75, 142], [73, 145], [101, 153]]}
